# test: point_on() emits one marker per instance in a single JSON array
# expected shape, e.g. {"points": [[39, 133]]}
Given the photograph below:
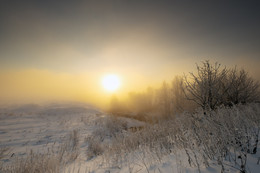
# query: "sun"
{"points": [[111, 82]]}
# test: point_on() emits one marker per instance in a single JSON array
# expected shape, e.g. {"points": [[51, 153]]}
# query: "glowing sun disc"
{"points": [[111, 82]]}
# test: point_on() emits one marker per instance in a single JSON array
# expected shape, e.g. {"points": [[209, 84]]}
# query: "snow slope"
{"points": [[35, 128]]}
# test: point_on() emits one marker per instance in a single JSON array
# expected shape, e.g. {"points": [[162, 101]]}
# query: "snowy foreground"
{"points": [[80, 138]]}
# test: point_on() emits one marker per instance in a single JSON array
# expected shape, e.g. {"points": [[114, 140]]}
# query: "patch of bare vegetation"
{"points": [[226, 134], [3, 152], [55, 160], [109, 128]]}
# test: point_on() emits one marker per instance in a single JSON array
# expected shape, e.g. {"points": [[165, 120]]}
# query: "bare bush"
{"points": [[241, 87], [213, 86], [94, 147], [206, 88], [109, 128], [69, 151]]}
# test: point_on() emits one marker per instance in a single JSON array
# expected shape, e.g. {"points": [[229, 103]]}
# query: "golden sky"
{"points": [[61, 50]]}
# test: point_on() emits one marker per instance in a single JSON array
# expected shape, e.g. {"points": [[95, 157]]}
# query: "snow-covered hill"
{"points": [[81, 138]]}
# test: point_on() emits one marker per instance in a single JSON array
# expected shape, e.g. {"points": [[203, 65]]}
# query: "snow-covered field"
{"points": [[33, 127], [81, 138]]}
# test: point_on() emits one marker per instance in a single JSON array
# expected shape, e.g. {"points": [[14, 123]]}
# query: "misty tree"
{"points": [[165, 99], [242, 88], [115, 105], [213, 86], [177, 95], [141, 102], [206, 88]]}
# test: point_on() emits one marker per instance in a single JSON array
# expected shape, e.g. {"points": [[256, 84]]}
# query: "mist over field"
{"points": [[129, 86], [55, 51]]}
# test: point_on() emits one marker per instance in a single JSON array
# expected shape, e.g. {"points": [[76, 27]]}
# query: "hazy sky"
{"points": [[61, 49]]}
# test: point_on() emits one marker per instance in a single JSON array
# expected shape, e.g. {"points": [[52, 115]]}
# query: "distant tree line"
{"points": [[210, 87]]}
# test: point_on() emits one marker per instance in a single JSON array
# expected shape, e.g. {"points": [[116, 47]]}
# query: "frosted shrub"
{"points": [[217, 134], [213, 85], [108, 128], [69, 151], [221, 135], [94, 148]]}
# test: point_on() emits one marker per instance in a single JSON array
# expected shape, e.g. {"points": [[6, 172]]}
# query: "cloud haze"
{"points": [[143, 41]]}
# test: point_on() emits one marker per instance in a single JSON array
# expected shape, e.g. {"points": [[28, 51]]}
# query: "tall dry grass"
{"points": [[54, 160]]}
